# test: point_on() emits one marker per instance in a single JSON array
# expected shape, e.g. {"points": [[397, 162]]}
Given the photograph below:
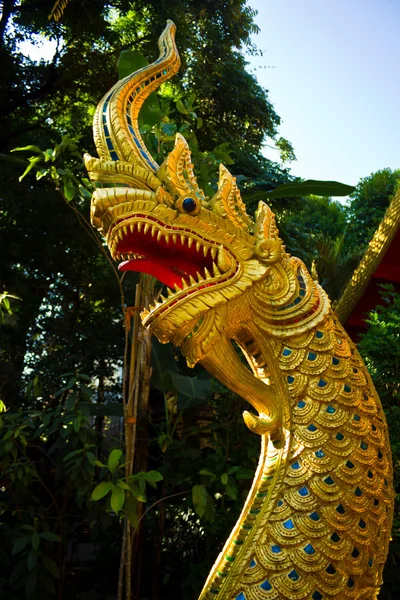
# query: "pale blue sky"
{"points": [[333, 75]]}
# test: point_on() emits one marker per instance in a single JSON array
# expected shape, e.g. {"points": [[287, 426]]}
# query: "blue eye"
{"points": [[189, 205]]}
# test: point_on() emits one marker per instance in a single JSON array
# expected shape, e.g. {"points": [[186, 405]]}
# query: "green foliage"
{"points": [[5, 305], [368, 204], [59, 170], [263, 191], [188, 391], [380, 348]]}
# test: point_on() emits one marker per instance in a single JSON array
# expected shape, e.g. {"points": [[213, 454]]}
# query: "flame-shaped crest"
{"points": [[115, 128]]}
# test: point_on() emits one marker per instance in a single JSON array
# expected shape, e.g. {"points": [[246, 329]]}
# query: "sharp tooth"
{"points": [[199, 277], [152, 307], [153, 230], [192, 281], [163, 298], [197, 246], [184, 284], [125, 229], [139, 226], [177, 288], [146, 227], [205, 250], [174, 237], [169, 292], [183, 239], [190, 241], [166, 235], [120, 234], [216, 271], [132, 227], [213, 252], [208, 276], [224, 262], [159, 236]]}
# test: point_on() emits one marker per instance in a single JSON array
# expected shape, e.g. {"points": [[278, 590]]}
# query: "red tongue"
{"points": [[166, 275]]}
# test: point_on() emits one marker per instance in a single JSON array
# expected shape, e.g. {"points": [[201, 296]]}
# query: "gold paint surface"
{"points": [[317, 520]]}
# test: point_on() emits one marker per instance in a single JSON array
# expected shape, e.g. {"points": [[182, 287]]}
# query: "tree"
{"points": [[68, 323], [380, 348], [369, 202]]}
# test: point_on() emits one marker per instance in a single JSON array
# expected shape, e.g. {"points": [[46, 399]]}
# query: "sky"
{"points": [[332, 68]]}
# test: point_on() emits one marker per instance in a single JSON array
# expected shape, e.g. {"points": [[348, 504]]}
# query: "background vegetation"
{"points": [[64, 487]]}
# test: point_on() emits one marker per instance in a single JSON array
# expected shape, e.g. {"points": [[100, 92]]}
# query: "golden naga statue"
{"points": [[317, 520]]}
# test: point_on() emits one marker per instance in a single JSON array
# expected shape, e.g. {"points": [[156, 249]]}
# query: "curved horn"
{"points": [[115, 127]]}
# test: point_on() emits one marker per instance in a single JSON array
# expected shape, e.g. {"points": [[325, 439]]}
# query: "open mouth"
{"points": [[183, 261]]}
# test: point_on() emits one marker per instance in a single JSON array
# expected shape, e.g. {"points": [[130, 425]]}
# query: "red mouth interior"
{"points": [[168, 261]]}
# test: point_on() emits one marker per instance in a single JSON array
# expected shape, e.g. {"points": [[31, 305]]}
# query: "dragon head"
{"points": [[215, 262]]}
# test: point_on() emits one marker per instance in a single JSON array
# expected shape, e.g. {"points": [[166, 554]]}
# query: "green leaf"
{"points": [[101, 490], [168, 129], [117, 499], [244, 473], [72, 454], [131, 510], [28, 148], [32, 163], [18, 572], [200, 499], [91, 458], [113, 459], [130, 61], [50, 566], [20, 544], [71, 382], [40, 174], [84, 192], [231, 490], [122, 484], [77, 423], [31, 583], [303, 188], [31, 560], [153, 476], [224, 479], [69, 190], [207, 473], [35, 540], [71, 399], [50, 536], [164, 440], [181, 107], [139, 490]]}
